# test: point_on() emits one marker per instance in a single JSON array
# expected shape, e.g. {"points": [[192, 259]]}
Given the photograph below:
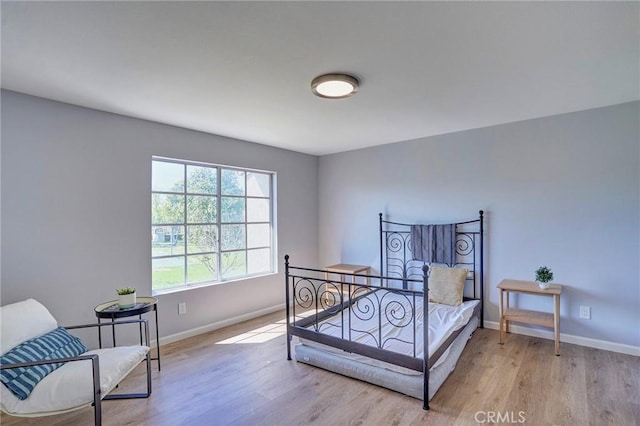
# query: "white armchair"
{"points": [[85, 379]]}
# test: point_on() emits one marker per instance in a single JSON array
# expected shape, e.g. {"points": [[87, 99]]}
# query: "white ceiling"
{"points": [[243, 69]]}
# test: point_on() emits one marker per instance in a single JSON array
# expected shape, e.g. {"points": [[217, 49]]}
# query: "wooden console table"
{"points": [[507, 313]]}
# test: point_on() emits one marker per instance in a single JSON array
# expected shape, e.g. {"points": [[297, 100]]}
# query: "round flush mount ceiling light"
{"points": [[334, 86]]}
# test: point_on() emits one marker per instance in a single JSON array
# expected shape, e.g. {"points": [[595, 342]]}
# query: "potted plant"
{"points": [[543, 276], [126, 297]]}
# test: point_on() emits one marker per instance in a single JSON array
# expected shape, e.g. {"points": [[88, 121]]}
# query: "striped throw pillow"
{"points": [[55, 344]]}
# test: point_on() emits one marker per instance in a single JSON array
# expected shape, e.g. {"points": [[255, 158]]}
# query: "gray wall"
{"points": [[562, 191], [76, 207]]}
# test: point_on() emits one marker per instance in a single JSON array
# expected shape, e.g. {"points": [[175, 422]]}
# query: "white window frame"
{"points": [[218, 251]]}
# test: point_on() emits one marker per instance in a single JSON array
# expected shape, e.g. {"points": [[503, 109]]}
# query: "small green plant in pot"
{"points": [[543, 276], [126, 297]]}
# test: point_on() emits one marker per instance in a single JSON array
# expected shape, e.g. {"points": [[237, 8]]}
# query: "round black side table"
{"points": [[111, 310]]}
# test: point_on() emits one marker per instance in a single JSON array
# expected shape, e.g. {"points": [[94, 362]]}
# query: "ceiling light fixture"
{"points": [[334, 86]]}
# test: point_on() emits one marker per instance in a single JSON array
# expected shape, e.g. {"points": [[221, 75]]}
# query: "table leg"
{"points": [[556, 322], [501, 318], [343, 278], [113, 332], [506, 322], [157, 338], [99, 335], [140, 326], [326, 287]]}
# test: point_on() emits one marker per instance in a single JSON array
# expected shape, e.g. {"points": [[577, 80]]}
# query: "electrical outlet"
{"points": [[182, 308], [585, 312]]}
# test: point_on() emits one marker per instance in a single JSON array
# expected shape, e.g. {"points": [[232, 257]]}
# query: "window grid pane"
{"points": [[202, 238], [258, 184], [167, 209], [167, 177], [258, 210], [202, 268], [259, 260], [167, 273], [232, 182], [233, 237], [258, 235], [167, 240], [202, 180], [219, 217], [201, 209], [233, 209], [234, 264]]}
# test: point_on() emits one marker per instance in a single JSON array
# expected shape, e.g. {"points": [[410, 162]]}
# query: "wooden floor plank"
{"points": [[239, 375]]}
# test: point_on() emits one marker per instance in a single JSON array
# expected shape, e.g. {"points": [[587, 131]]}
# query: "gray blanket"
{"points": [[434, 243]]}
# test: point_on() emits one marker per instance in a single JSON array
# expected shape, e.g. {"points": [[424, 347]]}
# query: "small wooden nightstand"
{"points": [[345, 268], [508, 313]]}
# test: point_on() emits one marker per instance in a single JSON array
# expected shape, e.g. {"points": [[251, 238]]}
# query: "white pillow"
{"points": [[446, 285], [23, 321]]}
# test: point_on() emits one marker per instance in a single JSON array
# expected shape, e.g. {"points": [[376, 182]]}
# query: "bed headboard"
{"points": [[397, 260]]}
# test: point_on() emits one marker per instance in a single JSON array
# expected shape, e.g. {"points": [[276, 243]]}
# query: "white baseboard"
{"points": [[517, 329], [568, 338], [216, 325]]}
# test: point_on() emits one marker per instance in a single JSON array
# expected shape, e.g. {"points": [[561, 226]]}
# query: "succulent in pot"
{"points": [[543, 276], [126, 297]]}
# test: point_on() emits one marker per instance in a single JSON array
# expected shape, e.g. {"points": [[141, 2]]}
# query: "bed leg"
{"points": [[288, 301], [425, 392]]}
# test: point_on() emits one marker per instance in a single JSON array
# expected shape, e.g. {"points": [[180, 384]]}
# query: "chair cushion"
{"points": [[71, 386], [55, 344], [23, 321]]}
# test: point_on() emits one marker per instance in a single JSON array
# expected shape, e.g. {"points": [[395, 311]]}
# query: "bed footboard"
{"points": [[348, 316]]}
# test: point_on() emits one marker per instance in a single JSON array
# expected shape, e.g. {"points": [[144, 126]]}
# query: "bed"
{"points": [[373, 327]]}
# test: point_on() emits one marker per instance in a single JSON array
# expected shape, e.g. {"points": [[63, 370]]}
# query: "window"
{"points": [[209, 223]]}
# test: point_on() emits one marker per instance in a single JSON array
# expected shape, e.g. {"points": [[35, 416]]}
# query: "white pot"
{"points": [[126, 300], [542, 285]]}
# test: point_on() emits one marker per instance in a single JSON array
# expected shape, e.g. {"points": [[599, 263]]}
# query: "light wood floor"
{"points": [[208, 380]]}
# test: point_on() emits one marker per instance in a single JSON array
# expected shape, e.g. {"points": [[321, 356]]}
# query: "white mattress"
{"points": [[411, 385], [443, 321]]}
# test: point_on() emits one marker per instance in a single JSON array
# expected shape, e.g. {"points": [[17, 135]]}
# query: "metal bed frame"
{"points": [[313, 297]]}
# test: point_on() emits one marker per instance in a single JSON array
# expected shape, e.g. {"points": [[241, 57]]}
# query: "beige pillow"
{"points": [[446, 285]]}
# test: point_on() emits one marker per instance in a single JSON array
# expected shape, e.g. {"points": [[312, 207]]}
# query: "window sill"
{"points": [[208, 284]]}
